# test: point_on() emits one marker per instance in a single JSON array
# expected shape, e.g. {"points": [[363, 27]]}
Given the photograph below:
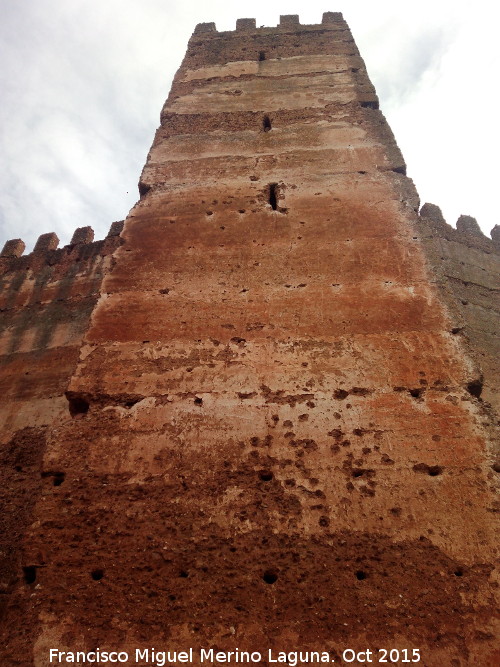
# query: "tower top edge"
{"points": [[287, 21]]}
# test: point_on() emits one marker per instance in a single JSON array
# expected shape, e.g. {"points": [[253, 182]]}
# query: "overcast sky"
{"points": [[82, 83]]}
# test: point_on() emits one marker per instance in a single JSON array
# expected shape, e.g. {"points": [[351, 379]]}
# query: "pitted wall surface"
{"points": [[45, 304], [467, 269], [274, 442]]}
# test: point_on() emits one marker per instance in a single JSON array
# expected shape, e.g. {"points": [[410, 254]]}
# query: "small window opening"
{"points": [[97, 575], [183, 574], [273, 199], [266, 475], [262, 55], [266, 123], [360, 575], [29, 574]]}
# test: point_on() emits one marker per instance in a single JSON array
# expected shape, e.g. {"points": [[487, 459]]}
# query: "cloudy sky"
{"points": [[82, 83]]}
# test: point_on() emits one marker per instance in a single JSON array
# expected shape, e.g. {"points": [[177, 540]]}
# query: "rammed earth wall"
{"points": [[46, 300], [273, 438]]}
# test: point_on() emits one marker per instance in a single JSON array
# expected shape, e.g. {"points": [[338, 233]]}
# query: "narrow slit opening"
{"points": [[262, 55], [29, 573], [266, 124], [273, 199]]}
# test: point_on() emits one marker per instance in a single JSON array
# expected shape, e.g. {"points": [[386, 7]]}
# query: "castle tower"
{"points": [[273, 437]]}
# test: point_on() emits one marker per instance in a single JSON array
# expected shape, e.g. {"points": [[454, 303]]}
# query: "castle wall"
{"points": [[467, 269], [273, 442], [46, 300]]}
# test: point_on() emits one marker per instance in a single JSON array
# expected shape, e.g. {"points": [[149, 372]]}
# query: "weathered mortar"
{"points": [[273, 437]]}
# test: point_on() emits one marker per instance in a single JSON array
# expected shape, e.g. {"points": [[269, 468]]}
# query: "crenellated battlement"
{"points": [[467, 229], [287, 22], [47, 251]]}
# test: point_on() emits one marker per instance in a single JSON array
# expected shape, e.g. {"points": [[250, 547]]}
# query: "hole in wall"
{"points": [[266, 475], [496, 467], [29, 574], [143, 188], [266, 124], [183, 574], [198, 401], [57, 477], [270, 576], [475, 387], [416, 393], [273, 197], [458, 572], [77, 405], [340, 394], [360, 575], [97, 574], [262, 55], [432, 471]]}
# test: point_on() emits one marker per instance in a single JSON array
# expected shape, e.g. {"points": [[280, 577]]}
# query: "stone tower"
{"points": [[265, 429]]}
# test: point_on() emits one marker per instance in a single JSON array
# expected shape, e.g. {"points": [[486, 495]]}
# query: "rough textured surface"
{"points": [[466, 266], [45, 304], [273, 437]]}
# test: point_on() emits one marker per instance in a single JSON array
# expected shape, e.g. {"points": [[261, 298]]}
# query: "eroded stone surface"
{"points": [[274, 438]]}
